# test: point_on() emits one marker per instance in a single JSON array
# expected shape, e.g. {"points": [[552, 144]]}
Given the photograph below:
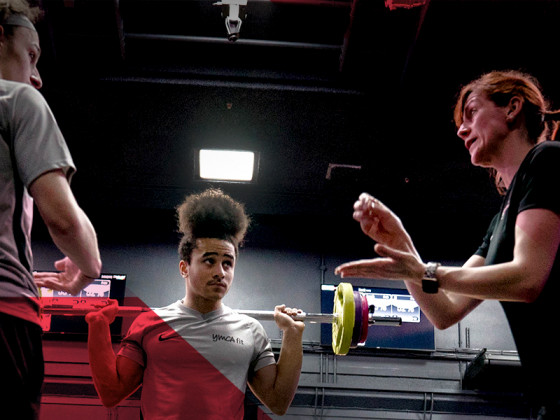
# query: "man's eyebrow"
{"points": [[213, 253], [37, 47]]}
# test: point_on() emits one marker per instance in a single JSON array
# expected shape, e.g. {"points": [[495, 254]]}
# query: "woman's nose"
{"points": [[462, 131]]}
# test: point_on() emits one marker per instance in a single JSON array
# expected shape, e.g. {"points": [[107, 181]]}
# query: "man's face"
{"points": [[19, 54], [210, 272]]}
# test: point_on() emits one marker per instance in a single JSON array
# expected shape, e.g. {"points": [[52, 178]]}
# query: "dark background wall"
{"points": [[138, 85]]}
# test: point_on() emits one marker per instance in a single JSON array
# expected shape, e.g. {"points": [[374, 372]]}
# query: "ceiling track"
{"points": [[243, 41]]}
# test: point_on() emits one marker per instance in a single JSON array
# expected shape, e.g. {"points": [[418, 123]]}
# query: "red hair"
{"points": [[541, 122]]}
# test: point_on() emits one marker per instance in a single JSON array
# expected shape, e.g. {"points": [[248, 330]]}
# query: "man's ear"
{"points": [[184, 268]]}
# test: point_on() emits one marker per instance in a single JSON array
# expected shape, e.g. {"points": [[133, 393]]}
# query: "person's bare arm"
{"points": [[70, 229], [537, 238], [115, 378], [275, 385], [446, 308]]}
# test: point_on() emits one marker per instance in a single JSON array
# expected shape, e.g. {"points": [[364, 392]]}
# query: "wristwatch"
{"points": [[430, 283]]}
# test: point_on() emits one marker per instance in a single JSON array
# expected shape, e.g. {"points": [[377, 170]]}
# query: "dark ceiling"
{"points": [[138, 85]]}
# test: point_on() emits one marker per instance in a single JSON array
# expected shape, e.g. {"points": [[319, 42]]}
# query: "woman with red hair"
{"points": [[506, 125]]}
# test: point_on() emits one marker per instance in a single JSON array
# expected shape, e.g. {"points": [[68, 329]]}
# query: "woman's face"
{"points": [[483, 129], [19, 54]]}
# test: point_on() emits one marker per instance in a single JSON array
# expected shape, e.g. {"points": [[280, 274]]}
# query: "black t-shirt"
{"points": [[533, 325]]}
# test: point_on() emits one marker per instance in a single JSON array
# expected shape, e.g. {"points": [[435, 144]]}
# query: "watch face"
{"points": [[430, 286]]}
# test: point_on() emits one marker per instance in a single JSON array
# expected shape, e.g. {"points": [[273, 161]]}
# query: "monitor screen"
{"points": [[111, 286], [415, 333]]}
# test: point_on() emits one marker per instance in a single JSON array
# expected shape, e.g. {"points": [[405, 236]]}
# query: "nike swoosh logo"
{"points": [[167, 336]]}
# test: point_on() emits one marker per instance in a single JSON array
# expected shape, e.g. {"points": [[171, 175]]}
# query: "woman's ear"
{"points": [[184, 268], [514, 108]]}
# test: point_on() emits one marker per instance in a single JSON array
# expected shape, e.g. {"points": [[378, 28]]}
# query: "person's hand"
{"points": [[393, 264], [380, 223], [106, 314], [69, 279], [284, 318]]}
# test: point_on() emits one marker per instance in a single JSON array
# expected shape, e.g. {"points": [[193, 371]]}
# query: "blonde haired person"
{"points": [[35, 167]]}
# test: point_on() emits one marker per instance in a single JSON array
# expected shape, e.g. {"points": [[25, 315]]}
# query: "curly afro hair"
{"points": [[210, 214]]}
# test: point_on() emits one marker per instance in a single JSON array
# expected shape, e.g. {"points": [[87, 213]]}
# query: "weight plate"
{"points": [[343, 325], [357, 329], [365, 319]]}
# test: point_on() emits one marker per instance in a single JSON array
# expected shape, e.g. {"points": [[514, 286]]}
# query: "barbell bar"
{"points": [[318, 318], [350, 319]]}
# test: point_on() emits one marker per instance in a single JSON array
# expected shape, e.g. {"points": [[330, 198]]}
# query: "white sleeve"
{"points": [[262, 355]]}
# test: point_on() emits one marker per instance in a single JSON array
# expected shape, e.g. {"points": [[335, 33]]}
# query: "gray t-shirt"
{"points": [[30, 137]]}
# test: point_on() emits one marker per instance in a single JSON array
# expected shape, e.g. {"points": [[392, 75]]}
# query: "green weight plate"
{"points": [[343, 324]]}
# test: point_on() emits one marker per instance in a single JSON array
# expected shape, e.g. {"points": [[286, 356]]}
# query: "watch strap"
{"points": [[430, 283]]}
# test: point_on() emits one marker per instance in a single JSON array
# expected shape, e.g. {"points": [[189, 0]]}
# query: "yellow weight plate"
{"points": [[343, 323]]}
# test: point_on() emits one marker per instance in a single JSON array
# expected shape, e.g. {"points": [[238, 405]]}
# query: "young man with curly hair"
{"points": [[195, 357]]}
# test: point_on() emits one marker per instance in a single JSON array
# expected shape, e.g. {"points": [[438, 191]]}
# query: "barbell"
{"points": [[350, 319]]}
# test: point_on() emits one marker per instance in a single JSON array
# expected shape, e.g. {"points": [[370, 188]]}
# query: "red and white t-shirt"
{"points": [[196, 365]]}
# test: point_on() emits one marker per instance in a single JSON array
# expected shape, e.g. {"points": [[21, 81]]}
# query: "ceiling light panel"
{"points": [[227, 165]]}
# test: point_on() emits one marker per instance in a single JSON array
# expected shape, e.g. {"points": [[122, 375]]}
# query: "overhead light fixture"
{"points": [[227, 165], [234, 12]]}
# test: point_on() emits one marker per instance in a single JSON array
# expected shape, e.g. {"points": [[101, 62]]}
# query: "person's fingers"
{"points": [[351, 268]]}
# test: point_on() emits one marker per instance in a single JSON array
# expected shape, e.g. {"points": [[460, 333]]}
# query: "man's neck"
{"points": [[201, 305]]}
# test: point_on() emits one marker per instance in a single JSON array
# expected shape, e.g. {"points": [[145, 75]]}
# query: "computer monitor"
{"points": [[57, 327], [415, 333]]}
